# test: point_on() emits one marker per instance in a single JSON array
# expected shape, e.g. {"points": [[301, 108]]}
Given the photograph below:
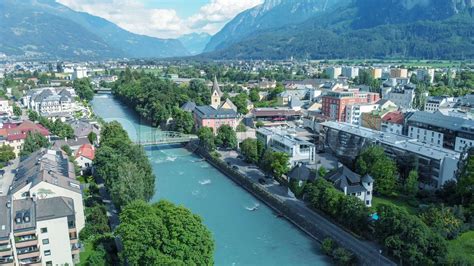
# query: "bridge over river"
{"points": [[164, 137]]}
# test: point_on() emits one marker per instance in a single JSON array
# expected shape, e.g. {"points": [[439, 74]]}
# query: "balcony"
{"points": [[6, 252], [25, 233], [28, 252], [30, 261], [6, 260], [25, 241]]}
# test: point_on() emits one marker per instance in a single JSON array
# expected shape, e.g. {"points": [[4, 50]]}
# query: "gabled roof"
{"points": [[230, 103], [52, 208], [188, 106], [206, 111], [344, 178], [87, 151], [301, 172], [393, 117]]}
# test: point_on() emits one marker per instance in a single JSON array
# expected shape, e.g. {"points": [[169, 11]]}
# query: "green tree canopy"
{"points": [[164, 234], [226, 137], [33, 142], [83, 88], [206, 138], [374, 162]]}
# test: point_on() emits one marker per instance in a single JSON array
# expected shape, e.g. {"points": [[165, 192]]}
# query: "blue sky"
{"points": [[165, 18]]}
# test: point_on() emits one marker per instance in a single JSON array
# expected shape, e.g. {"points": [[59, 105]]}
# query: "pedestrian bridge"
{"points": [[163, 138], [103, 90]]}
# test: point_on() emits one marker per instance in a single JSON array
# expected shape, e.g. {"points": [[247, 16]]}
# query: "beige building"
{"points": [[376, 73], [399, 73], [44, 211]]}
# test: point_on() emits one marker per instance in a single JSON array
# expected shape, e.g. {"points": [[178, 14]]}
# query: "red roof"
{"points": [[16, 131], [395, 117], [87, 151]]}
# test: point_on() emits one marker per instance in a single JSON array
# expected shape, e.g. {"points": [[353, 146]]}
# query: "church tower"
{"points": [[215, 95]]}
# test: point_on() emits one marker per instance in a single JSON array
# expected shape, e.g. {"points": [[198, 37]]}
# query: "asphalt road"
{"points": [[365, 249]]}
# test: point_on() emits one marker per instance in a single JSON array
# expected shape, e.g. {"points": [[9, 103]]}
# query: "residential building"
{"points": [[74, 143], [399, 73], [5, 107], [51, 102], [284, 140], [352, 184], [79, 73], [376, 73], [84, 157], [217, 114], [14, 134], [350, 72], [402, 95], [436, 129], [434, 103], [354, 112], [43, 213], [425, 74], [276, 114], [188, 106], [334, 102], [333, 72], [435, 165], [301, 173], [82, 128], [392, 122]]}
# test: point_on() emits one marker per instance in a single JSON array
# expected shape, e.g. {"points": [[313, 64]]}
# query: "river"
{"points": [[242, 237]]}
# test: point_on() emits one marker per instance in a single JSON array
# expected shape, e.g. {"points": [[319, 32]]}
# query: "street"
{"points": [[365, 249], [7, 178]]}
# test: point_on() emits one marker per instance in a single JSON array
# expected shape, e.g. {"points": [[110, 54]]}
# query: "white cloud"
{"points": [[164, 23]]}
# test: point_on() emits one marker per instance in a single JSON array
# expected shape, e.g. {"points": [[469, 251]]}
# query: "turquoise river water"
{"points": [[242, 237]]}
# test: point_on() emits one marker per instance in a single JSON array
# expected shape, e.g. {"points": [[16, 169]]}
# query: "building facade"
{"points": [[334, 102], [51, 102], [435, 165], [282, 140]]}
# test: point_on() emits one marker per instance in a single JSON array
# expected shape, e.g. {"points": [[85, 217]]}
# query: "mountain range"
{"points": [[431, 29], [46, 29]]}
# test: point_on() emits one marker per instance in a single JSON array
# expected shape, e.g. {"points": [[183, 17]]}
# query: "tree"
{"points": [[254, 96], [443, 220], [6, 154], [32, 115], [342, 256], [327, 246], [33, 142], [259, 124], [276, 163], [92, 137], [182, 121], [67, 149], [206, 138], [322, 171], [164, 234], [411, 183], [97, 257], [240, 102], [83, 89], [374, 162], [250, 149], [226, 137], [241, 128], [16, 110]]}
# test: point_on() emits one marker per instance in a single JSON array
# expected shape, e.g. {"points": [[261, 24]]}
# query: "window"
{"points": [[45, 241], [368, 192], [44, 230], [49, 263], [358, 193], [47, 252], [367, 202]]}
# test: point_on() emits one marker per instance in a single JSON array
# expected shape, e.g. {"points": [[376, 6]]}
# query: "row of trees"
{"points": [[123, 166], [225, 138], [83, 88], [271, 162]]}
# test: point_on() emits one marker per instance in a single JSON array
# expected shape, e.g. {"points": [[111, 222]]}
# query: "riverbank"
{"points": [[313, 224]]}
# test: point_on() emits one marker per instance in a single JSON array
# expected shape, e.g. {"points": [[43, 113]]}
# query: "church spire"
{"points": [[216, 94]]}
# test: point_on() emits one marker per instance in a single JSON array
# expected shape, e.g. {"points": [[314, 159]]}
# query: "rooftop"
{"points": [[206, 111], [52, 208], [390, 139], [24, 214], [437, 119], [4, 218]]}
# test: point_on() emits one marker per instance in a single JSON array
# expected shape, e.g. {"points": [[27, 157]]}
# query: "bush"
{"points": [[343, 256], [327, 246]]}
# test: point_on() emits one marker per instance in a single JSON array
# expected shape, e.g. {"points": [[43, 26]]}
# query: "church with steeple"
{"points": [[218, 113]]}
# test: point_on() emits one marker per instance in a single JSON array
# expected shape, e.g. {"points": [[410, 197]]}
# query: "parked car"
{"points": [[240, 157], [235, 167], [262, 181]]}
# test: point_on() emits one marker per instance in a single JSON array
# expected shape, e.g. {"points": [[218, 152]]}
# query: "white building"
{"points": [[5, 107], [51, 101], [46, 214], [283, 140], [423, 73], [350, 72], [353, 184], [402, 96], [354, 112], [434, 103], [79, 73], [392, 122], [333, 72], [436, 129]]}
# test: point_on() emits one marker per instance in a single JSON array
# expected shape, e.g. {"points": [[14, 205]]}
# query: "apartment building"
{"points": [[439, 130], [333, 72], [334, 102], [51, 101], [43, 213], [287, 141], [354, 112], [392, 122], [401, 95], [14, 134], [425, 74], [399, 73], [435, 165], [350, 72]]}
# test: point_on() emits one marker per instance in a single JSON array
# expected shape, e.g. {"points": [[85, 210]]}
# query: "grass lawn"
{"points": [[400, 202], [463, 246], [86, 253]]}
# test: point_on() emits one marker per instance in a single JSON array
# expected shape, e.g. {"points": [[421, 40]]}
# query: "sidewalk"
{"points": [[7, 178]]}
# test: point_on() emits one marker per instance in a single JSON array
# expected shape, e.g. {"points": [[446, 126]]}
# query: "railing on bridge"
{"points": [[163, 137]]}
